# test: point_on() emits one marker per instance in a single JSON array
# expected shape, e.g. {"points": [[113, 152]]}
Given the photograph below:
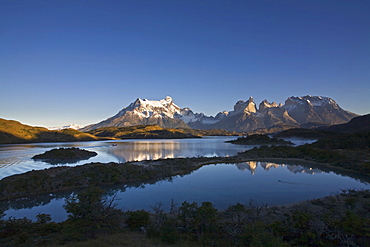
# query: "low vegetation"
{"points": [[339, 220], [260, 140], [64, 155]]}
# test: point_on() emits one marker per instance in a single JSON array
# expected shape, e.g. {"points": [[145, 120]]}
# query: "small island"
{"points": [[260, 139], [65, 155]]}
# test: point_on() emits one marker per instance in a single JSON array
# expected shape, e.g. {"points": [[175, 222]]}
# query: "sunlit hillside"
{"points": [[14, 132], [140, 132]]}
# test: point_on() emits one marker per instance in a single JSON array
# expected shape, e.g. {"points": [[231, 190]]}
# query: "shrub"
{"points": [[91, 213]]}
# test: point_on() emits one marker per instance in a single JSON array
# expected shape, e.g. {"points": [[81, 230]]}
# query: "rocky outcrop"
{"points": [[316, 109]]}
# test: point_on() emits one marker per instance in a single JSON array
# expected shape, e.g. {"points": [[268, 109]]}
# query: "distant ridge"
{"points": [[14, 132], [141, 132], [70, 126], [245, 117]]}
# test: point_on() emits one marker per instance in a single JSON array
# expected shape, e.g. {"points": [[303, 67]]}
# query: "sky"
{"points": [[82, 61]]}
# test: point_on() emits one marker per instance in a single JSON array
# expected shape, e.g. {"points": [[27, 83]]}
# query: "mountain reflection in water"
{"points": [[142, 150], [252, 166], [145, 151]]}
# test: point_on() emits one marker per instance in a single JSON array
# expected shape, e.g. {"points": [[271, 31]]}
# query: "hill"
{"points": [[306, 134], [157, 132], [141, 132], [356, 125], [210, 132], [15, 132]]}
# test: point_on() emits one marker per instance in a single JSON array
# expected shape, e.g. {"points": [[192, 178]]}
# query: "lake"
{"points": [[16, 158], [222, 184]]}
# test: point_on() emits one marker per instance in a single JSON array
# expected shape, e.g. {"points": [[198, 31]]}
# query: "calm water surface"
{"points": [[221, 184], [15, 159]]}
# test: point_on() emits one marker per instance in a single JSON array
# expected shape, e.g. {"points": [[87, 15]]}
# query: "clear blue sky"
{"points": [[82, 61]]}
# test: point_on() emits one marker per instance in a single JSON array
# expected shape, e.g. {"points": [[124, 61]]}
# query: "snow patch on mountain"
{"points": [[71, 126]]}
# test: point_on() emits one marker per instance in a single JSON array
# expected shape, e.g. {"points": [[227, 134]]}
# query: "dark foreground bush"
{"points": [[339, 220], [89, 213]]}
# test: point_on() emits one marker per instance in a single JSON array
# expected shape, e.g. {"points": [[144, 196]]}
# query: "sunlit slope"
{"points": [[141, 132], [156, 132], [14, 132]]}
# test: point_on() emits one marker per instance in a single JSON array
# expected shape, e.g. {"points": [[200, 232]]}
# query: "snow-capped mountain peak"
{"points": [[147, 108], [70, 126], [309, 101]]}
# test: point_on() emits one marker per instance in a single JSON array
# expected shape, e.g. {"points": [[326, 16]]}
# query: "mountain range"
{"points": [[245, 116]]}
